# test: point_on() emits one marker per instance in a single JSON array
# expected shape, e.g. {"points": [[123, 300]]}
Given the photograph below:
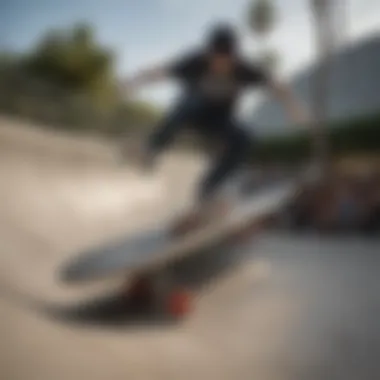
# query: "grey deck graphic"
{"points": [[155, 247]]}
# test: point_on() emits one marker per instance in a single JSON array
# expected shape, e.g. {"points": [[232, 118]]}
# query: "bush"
{"points": [[68, 82], [349, 136]]}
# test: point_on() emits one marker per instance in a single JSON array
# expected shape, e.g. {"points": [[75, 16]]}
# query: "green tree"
{"points": [[7, 59], [74, 61], [68, 81]]}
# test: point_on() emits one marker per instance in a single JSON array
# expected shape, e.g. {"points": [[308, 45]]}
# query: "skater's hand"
{"points": [[128, 88], [295, 108]]}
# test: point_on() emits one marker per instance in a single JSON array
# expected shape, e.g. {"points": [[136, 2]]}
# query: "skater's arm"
{"points": [[180, 68], [252, 74], [148, 76], [145, 77], [293, 106]]}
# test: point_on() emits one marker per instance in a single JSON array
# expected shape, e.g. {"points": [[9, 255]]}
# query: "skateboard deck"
{"points": [[155, 248], [146, 259]]}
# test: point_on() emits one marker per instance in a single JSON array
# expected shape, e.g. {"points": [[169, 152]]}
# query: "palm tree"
{"points": [[325, 35], [261, 17], [261, 21]]}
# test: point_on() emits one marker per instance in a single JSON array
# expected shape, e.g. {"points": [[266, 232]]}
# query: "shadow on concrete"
{"points": [[114, 310]]}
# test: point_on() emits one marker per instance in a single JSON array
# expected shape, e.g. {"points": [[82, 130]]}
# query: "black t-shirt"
{"points": [[219, 92]]}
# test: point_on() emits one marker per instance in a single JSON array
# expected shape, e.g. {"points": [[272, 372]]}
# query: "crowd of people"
{"points": [[341, 203]]}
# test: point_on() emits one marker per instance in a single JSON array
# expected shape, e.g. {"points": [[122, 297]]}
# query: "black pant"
{"points": [[216, 125]]}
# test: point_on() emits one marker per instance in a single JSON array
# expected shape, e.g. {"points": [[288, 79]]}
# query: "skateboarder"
{"points": [[213, 78]]}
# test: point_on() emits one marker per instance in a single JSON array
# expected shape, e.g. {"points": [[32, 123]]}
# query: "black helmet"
{"points": [[222, 39]]}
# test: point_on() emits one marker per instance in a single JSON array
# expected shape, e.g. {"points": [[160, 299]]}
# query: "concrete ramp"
{"points": [[295, 307], [55, 185]]}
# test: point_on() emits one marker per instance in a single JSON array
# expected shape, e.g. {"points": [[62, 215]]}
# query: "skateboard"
{"points": [[146, 259]]}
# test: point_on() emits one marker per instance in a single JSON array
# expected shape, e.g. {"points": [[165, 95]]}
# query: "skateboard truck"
{"points": [[158, 293]]}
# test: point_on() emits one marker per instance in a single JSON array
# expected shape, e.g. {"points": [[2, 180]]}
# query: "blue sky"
{"points": [[143, 32]]}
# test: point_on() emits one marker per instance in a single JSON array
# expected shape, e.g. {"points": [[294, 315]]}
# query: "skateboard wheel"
{"points": [[179, 303]]}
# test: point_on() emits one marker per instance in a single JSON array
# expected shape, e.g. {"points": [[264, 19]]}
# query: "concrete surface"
{"points": [[294, 308]]}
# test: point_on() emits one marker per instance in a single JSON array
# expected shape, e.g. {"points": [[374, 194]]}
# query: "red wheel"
{"points": [[179, 303]]}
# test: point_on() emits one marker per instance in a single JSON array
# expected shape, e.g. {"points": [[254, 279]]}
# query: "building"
{"points": [[354, 87]]}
